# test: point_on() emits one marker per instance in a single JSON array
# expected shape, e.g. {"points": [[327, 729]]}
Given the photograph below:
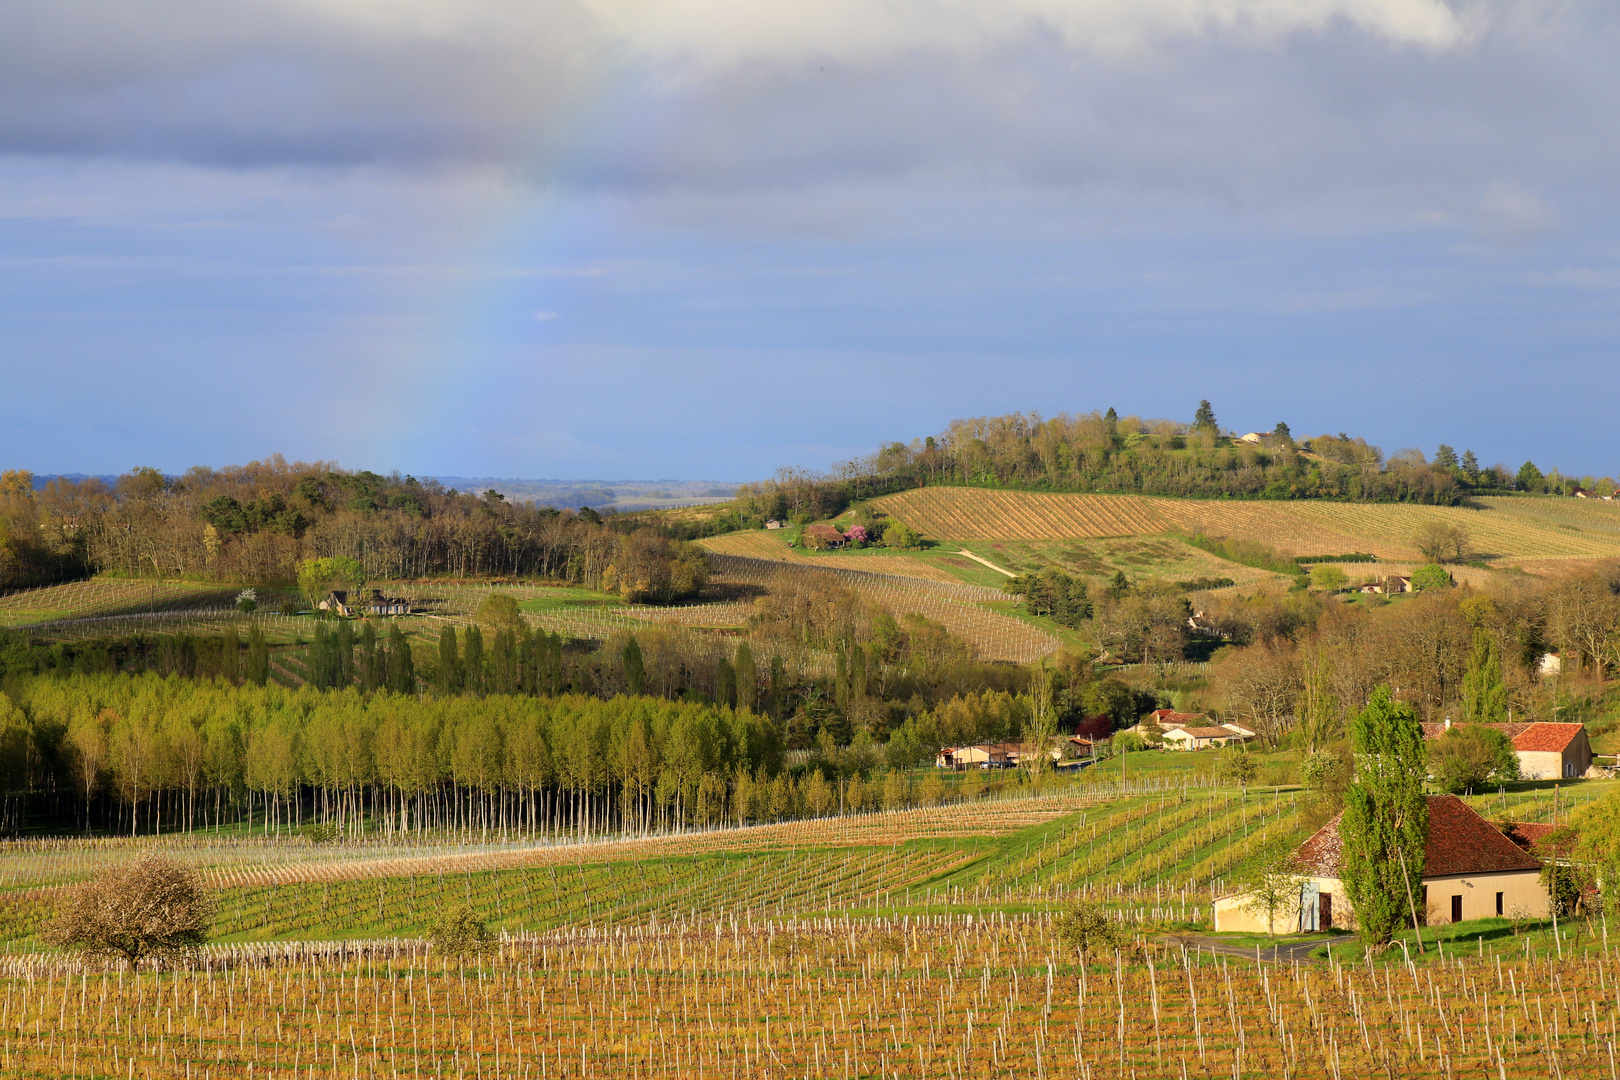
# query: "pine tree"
{"points": [[373, 672], [1445, 458], [635, 672], [1470, 467], [344, 645], [1484, 693], [1384, 832], [1205, 416], [747, 678]]}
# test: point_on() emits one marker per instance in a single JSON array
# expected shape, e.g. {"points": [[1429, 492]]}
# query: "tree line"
{"points": [[260, 522], [146, 754]]}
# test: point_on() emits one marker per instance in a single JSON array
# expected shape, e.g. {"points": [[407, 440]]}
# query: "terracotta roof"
{"points": [[1460, 842], [1205, 732], [1527, 834], [1553, 737], [1512, 731]]}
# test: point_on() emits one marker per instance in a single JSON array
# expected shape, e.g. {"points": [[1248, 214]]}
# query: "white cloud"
{"points": [[1511, 214]]}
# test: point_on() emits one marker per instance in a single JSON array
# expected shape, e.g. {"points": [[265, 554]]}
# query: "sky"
{"points": [[710, 238]]}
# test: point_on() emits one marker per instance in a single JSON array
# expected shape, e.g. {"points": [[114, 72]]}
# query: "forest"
{"points": [[259, 522]]}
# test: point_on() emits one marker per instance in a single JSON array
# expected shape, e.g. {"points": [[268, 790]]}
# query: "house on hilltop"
{"points": [[336, 602], [387, 605], [1546, 751], [1470, 871]]}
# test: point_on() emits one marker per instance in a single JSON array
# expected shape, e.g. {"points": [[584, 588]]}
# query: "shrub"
{"points": [[247, 600], [901, 535], [151, 906], [1086, 927], [1469, 754], [459, 932], [1431, 576]]}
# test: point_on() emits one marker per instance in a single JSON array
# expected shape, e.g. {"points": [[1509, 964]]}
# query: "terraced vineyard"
{"points": [[1505, 529]]}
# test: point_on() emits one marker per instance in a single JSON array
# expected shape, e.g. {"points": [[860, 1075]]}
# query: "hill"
{"points": [[1521, 530]]}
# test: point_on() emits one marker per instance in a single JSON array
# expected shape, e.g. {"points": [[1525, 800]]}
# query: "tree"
{"points": [[1470, 467], [150, 906], [1282, 434], [635, 671], [1484, 693], [747, 678], [1274, 888], [499, 611], [901, 535], [258, 657], [1431, 576], [1441, 542], [1529, 477], [1445, 458], [401, 666], [318, 577], [448, 673], [1384, 831], [1328, 578], [1204, 418], [1236, 765], [1086, 927], [460, 933], [1468, 754]]}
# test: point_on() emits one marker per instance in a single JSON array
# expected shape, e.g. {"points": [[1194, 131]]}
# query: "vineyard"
{"points": [[766, 545], [992, 635], [941, 995], [1504, 528], [912, 943]]}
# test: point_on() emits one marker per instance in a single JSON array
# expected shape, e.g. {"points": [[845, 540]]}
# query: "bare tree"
{"points": [[150, 906]]}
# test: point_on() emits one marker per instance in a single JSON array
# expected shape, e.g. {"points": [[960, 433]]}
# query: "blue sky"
{"points": [[707, 238]]}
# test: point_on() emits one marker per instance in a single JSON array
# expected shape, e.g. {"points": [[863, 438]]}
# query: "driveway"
{"points": [[1282, 952]]}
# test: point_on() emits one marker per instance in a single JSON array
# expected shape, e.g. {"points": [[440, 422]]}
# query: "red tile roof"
{"points": [[1206, 732], [1527, 834], [1460, 842], [1168, 717], [1549, 737], [1512, 731]]}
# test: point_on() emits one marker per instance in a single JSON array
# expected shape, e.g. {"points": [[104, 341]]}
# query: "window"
{"points": [[1499, 903]]}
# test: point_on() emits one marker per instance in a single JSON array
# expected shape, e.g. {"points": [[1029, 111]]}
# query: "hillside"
{"points": [[1505, 530]]}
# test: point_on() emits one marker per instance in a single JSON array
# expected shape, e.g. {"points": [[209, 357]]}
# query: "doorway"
{"points": [[1456, 909]]}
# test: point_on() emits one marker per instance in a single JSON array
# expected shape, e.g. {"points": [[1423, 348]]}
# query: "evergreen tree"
{"points": [[1204, 418], [1470, 467], [258, 657], [725, 683], [1530, 478], [448, 676], [472, 660], [344, 645], [857, 670], [401, 665], [373, 672], [1281, 432], [228, 656], [1484, 692], [1384, 831], [747, 678], [635, 672], [1445, 458], [779, 688], [1119, 585]]}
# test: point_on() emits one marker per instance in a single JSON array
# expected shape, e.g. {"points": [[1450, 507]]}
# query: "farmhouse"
{"points": [[1199, 738], [1470, 871], [1190, 731], [337, 602], [981, 756], [824, 535], [1546, 751], [387, 605], [775, 523], [1394, 583]]}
